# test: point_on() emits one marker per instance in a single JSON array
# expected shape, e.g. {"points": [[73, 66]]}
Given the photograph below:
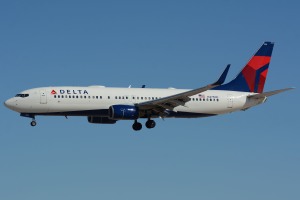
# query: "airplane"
{"points": [[107, 105]]}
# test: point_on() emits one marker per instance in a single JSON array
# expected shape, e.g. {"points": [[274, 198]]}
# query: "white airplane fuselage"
{"points": [[96, 100]]}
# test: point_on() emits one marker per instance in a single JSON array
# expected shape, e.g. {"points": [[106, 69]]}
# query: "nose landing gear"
{"points": [[32, 116], [33, 123]]}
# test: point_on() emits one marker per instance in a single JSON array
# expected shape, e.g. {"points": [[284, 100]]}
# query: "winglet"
{"points": [[222, 78]]}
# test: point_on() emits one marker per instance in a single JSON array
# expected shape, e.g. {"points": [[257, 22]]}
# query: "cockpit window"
{"points": [[22, 95]]}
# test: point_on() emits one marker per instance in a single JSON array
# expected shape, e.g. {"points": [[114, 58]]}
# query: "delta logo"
{"points": [[70, 92]]}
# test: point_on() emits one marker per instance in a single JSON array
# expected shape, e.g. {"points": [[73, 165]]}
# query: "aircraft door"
{"points": [[229, 101], [43, 97]]}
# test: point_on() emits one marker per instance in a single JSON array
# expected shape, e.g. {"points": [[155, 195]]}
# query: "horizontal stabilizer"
{"points": [[267, 94]]}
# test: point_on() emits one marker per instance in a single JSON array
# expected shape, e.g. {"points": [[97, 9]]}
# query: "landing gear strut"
{"points": [[33, 122], [137, 126]]}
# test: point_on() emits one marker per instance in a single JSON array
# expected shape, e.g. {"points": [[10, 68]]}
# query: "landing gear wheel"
{"points": [[33, 123], [150, 123], [137, 126]]}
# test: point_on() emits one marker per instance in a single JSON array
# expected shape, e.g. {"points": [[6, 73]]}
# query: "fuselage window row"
{"points": [[126, 97], [77, 97]]}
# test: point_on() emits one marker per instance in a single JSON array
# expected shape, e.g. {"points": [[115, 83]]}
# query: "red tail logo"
{"points": [[53, 92]]}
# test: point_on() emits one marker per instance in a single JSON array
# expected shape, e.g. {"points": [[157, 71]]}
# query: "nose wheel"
{"points": [[33, 123]]}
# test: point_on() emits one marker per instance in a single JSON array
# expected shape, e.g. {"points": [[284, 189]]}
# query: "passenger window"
{"points": [[108, 97], [54, 96]]}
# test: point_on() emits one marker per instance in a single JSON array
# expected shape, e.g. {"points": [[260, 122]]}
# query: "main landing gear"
{"points": [[138, 126]]}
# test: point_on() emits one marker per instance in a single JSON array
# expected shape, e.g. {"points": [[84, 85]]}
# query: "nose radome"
{"points": [[8, 103]]}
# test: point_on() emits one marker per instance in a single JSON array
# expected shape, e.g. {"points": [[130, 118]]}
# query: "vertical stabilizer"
{"points": [[253, 76]]}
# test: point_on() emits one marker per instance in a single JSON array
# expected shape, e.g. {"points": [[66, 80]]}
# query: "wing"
{"points": [[170, 102]]}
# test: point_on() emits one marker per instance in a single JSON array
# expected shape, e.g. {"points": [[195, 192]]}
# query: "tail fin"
{"points": [[253, 76]]}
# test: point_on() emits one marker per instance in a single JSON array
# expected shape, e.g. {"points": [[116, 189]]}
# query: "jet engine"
{"points": [[119, 112]]}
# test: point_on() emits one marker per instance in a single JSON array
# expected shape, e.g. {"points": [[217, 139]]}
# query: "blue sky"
{"points": [[182, 44]]}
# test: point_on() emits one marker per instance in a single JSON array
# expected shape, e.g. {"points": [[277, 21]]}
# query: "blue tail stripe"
{"points": [[265, 50], [237, 84]]}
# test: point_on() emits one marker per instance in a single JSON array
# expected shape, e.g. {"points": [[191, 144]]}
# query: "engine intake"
{"points": [[119, 112]]}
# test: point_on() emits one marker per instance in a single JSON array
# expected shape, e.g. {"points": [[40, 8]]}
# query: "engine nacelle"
{"points": [[101, 120], [119, 112]]}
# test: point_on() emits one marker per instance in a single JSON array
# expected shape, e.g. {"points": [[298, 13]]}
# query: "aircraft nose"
{"points": [[8, 103]]}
